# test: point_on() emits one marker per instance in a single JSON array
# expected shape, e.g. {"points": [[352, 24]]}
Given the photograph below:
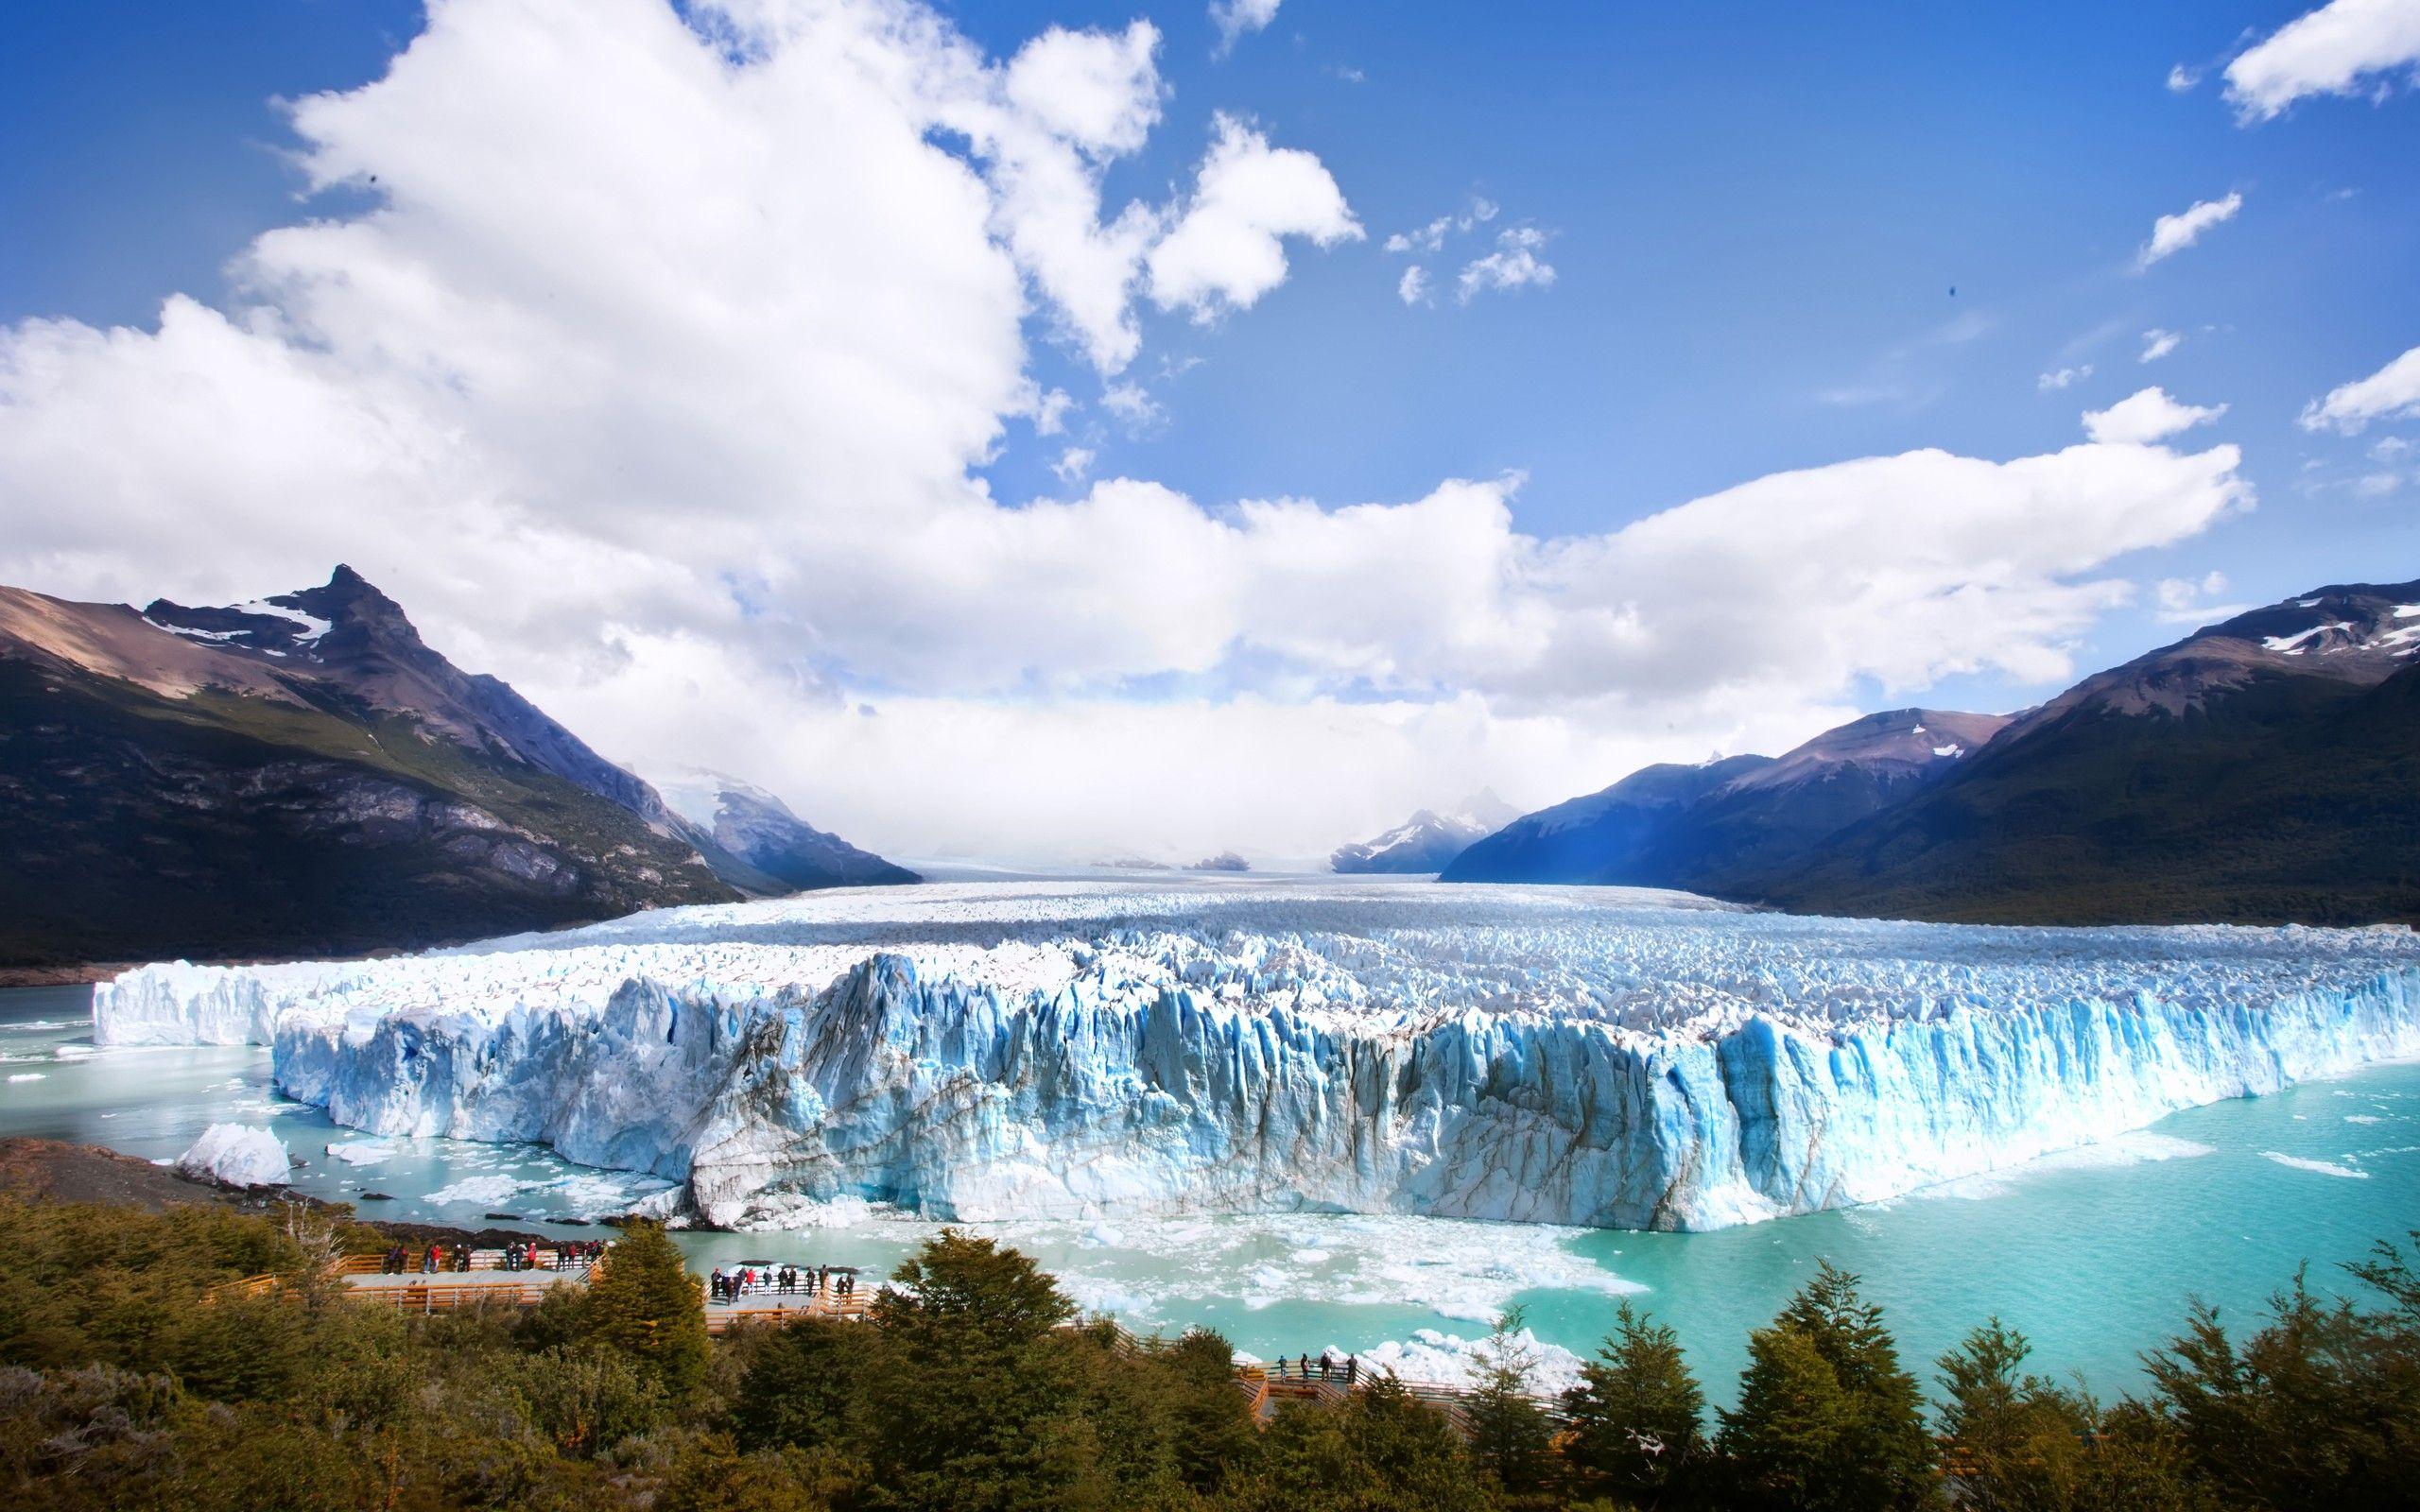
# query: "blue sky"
{"points": [[1756, 215]]}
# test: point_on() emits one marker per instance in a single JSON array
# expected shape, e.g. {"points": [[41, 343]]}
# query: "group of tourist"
{"points": [[839, 1282], [1331, 1369], [570, 1254], [401, 1261]]}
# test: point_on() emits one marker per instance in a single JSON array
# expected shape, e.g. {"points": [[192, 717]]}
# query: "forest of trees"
{"points": [[974, 1384]]}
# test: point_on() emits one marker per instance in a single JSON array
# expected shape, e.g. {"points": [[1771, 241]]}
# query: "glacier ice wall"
{"points": [[1591, 1056]]}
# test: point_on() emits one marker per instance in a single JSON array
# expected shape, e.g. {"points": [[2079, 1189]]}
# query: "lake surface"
{"points": [[2093, 1254]]}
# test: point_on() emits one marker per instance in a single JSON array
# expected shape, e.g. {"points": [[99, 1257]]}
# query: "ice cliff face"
{"points": [[1581, 1057]]}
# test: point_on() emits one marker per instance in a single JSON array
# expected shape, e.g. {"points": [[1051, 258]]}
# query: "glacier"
{"points": [[1594, 1057]]}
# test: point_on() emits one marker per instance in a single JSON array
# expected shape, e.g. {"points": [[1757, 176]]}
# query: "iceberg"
{"points": [[1589, 1056], [233, 1155]]}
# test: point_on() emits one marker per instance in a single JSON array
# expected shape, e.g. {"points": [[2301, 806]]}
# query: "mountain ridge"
{"points": [[296, 775], [2260, 769]]}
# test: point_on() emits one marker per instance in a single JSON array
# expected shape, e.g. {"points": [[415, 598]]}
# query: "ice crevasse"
{"points": [[1592, 1057]]}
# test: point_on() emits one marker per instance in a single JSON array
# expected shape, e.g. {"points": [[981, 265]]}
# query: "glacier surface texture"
{"points": [[1574, 1055]]}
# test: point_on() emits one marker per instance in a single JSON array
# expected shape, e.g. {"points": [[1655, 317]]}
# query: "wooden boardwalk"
{"points": [[487, 1283], [773, 1307]]}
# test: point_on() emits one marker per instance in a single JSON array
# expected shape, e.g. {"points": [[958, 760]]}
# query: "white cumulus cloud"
{"points": [[2171, 235], [1515, 265], [2393, 392], [1412, 288], [1226, 249], [2148, 414], [2344, 47], [1237, 19], [658, 371], [2062, 378], [2158, 344]]}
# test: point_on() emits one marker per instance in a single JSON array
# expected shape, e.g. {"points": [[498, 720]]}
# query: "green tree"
{"points": [[2320, 1407], [711, 1477], [587, 1398], [975, 1405], [644, 1303], [805, 1385], [1827, 1418], [1637, 1414], [1380, 1449], [1212, 1438], [2015, 1442], [1510, 1435]]}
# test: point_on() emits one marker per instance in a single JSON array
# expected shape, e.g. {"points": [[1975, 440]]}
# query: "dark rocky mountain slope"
{"points": [[301, 775], [2265, 769]]}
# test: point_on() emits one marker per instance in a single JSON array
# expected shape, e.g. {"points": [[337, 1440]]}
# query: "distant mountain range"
{"points": [[765, 846], [2266, 768], [302, 775], [1428, 840], [1711, 827]]}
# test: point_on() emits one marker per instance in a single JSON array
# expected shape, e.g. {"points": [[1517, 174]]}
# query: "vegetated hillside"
{"points": [[2283, 798], [301, 777], [2262, 769], [1775, 815], [133, 1373]]}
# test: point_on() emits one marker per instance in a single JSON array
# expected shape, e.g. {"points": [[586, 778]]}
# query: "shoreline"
{"points": [[34, 1169]]}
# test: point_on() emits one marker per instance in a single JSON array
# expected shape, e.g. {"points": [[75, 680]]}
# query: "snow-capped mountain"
{"points": [[297, 774], [755, 830], [1428, 840]]}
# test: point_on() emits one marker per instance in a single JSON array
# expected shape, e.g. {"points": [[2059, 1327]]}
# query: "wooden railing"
{"points": [[788, 1309], [249, 1286], [375, 1264], [445, 1297]]}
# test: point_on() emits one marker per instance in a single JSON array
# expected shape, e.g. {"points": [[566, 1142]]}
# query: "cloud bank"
{"points": [[658, 371]]}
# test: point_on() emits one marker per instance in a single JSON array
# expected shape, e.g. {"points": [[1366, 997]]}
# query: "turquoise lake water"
{"points": [[2093, 1254]]}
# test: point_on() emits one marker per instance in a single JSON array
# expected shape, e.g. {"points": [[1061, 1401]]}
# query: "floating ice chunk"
{"points": [[1450, 1360], [484, 1190], [2319, 1167], [360, 1152], [237, 1156]]}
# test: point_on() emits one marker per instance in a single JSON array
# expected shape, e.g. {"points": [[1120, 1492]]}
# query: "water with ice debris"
{"points": [[1603, 1057], [2093, 1251]]}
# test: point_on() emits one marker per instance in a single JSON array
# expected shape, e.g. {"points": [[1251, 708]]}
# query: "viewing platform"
{"points": [[810, 1292], [474, 1279]]}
